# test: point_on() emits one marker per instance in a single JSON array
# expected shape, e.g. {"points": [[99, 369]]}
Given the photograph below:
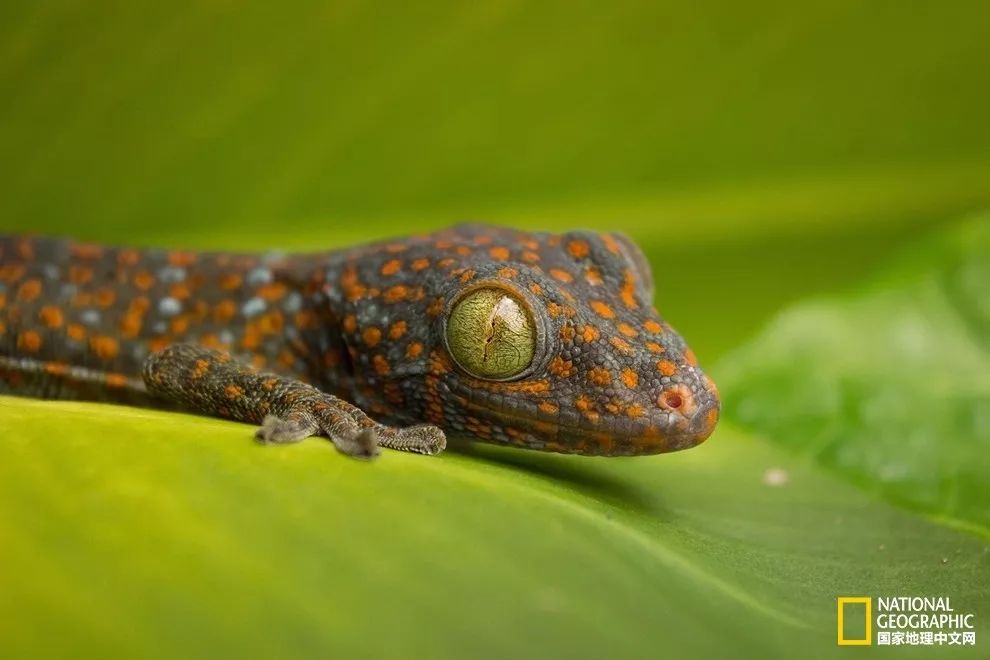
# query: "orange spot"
{"points": [[652, 326], [380, 365], [507, 273], [628, 291], [3, 300], [286, 359], [233, 391], [29, 341], [610, 243], [140, 304], [583, 403], [666, 367], [530, 257], [272, 292], [396, 293], [446, 263], [25, 249], [414, 350], [560, 367], [3, 327], [371, 336], [180, 291], [395, 248], [602, 309], [690, 358], [397, 330], [51, 316], [593, 276], [306, 320], [351, 285], [157, 344], [589, 333], [630, 378], [579, 249], [11, 272], [144, 280], [435, 308], [105, 347], [548, 408], [200, 368], [75, 332], [536, 289], [86, 250], [224, 311], [499, 253], [654, 347], [350, 324], [420, 264], [567, 333], [116, 380], [29, 290], [467, 276], [561, 275], [80, 274], [128, 257], [627, 330], [620, 344], [635, 410], [56, 368], [230, 281], [524, 387], [600, 376], [271, 323], [252, 338], [179, 325], [391, 267], [105, 298], [182, 258]]}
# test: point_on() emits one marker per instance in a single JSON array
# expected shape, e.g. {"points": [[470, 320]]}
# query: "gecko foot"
{"points": [[347, 437]]}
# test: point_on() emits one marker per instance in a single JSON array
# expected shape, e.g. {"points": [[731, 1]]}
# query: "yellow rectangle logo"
{"points": [[867, 601]]}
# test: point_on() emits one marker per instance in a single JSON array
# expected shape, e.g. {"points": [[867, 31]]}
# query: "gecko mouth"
{"points": [[569, 431]]}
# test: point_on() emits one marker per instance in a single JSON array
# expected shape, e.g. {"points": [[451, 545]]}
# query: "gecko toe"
{"points": [[363, 444], [278, 431]]}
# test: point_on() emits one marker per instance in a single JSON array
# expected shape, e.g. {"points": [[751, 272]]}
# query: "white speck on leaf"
{"points": [[776, 477]]}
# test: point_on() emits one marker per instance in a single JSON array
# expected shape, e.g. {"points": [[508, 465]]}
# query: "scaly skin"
{"points": [[307, 344]]}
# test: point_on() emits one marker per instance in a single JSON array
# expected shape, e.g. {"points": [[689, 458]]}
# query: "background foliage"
{"points": [[761, 154]]}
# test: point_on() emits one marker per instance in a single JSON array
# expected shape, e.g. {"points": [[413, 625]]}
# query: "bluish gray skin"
{"points": [[325, 343]]}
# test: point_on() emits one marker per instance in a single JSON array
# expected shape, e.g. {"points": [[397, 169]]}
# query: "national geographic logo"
{"points": [[902, 621]]}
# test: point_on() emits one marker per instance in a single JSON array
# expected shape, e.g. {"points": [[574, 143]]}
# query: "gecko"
{"points": [[537, 340]]}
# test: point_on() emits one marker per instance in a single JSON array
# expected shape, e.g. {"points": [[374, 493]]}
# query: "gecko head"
{"points": [[562, 350]]}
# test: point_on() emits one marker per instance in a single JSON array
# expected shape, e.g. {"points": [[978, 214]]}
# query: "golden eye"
{"points": [[491, 334]]}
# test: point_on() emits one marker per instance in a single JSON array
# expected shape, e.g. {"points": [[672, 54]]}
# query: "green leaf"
{"points": [[138, 533], [889, 388]]}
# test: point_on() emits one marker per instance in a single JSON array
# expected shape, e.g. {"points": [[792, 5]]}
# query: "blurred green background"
{"points": [[763, 154], [758, 151]]}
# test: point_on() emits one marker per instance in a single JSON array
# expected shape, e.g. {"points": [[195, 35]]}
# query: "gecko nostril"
{"points": [[672, 400]]}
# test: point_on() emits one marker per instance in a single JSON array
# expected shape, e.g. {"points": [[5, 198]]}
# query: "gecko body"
{"points": [[536, 340]]}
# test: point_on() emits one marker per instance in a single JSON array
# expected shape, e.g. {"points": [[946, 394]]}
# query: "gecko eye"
{"points": [[491, 334]]}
